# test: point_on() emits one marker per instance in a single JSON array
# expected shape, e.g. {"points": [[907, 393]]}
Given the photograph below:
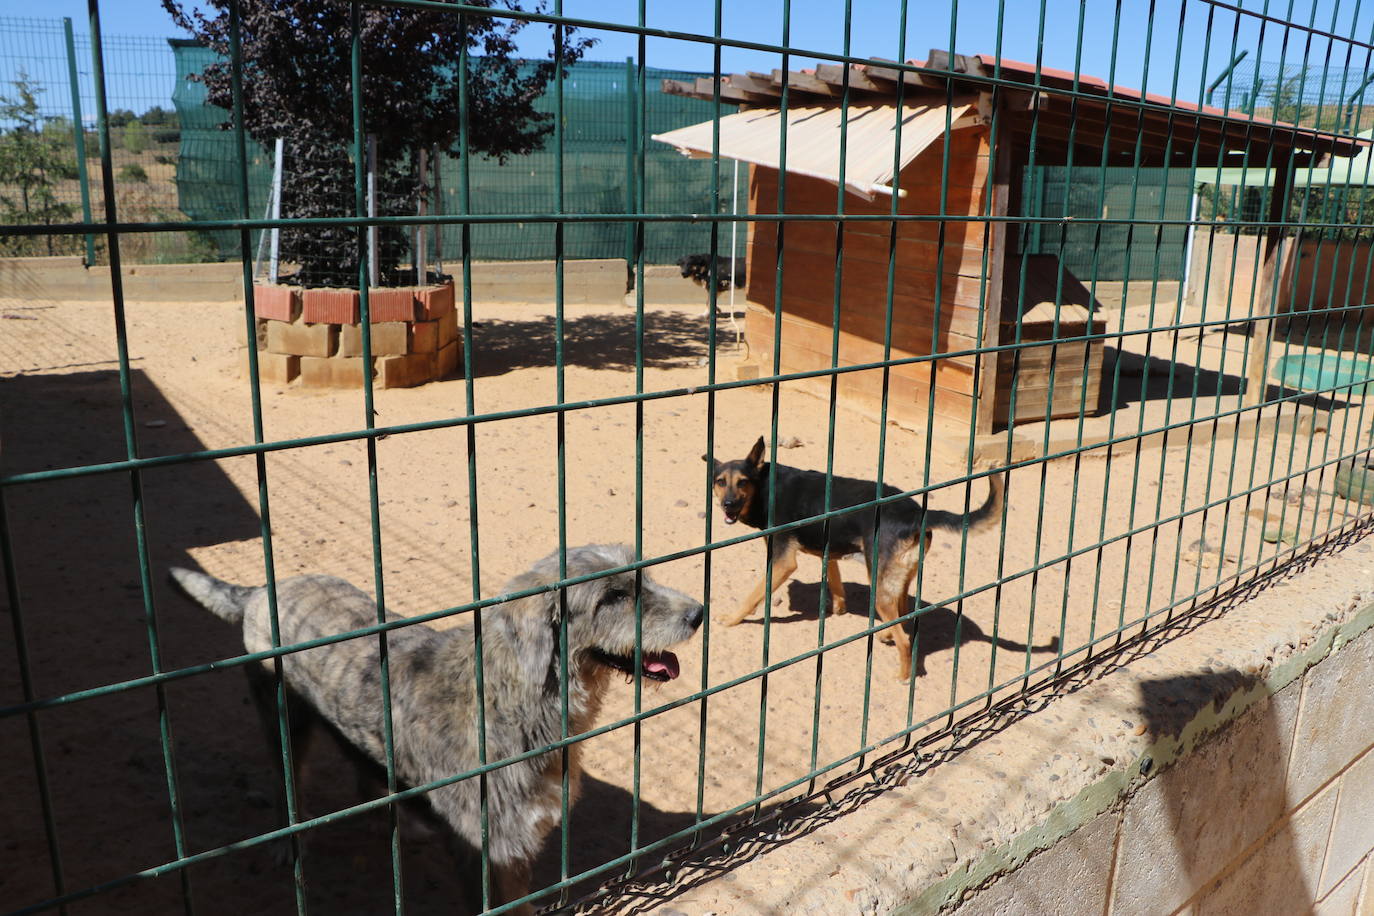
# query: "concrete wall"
{"points": [[65, 278], [1273, 814]]}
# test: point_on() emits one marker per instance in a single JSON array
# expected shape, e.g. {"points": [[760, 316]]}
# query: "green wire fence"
{"points": [[176, 161], [1175, 396]]}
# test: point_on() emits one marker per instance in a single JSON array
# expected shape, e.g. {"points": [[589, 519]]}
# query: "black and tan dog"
{"points": [[697, 268], [742, 489]]}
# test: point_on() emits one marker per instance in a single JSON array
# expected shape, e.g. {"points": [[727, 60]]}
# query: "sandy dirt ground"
{"points": [[86, 621]]}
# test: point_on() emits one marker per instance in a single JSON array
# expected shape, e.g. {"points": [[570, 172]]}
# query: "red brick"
{"points": [[282, 303], [329, 306], [273, 368], [388, 339], [302, 339], [435, 301], [448, 329], [424, 337], [391, 304], [448, 361], [406, 371]]}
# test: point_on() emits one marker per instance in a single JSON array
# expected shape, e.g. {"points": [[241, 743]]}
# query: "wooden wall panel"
{"points": [[908, 385], [947, 253]]}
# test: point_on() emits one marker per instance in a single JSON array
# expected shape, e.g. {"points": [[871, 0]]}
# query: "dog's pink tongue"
{"points": [[662, 663]]}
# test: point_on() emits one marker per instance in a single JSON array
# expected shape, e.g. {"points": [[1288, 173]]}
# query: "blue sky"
{"points": [[1177, 36]]}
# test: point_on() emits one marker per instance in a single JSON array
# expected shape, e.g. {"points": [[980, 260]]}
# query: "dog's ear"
{"points": [[755, 457], [714, 462], [537, 647], [529, 625]]}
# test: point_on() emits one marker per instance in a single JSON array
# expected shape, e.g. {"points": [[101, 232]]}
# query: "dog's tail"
{"points": [[224, 600], [984, 516]]}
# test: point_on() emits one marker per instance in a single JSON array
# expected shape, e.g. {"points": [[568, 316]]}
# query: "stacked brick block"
{"points": [[316, 336]]}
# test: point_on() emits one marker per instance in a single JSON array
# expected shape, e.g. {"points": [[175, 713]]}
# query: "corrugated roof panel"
{"points": [[813, 140]]}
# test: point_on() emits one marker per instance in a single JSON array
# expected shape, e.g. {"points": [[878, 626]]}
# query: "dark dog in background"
{"points": [[434, 694], [697, 268], [904, 531]]}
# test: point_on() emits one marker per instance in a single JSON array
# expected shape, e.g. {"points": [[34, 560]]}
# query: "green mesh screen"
{"points": [[1110, 251], [601, 108], [207, 161]]}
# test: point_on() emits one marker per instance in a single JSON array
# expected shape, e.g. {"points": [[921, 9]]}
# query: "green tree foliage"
{"points": [[135, 137], [298, 87], [120, 117], [35, 157], [157, 116], [1287, 96]]}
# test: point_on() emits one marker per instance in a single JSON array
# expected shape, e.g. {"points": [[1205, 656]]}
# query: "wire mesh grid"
{"points": [[1167, 469], [41, 62]]}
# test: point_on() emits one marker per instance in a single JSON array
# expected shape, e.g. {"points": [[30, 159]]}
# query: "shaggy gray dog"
{"points": [[434, 692]]}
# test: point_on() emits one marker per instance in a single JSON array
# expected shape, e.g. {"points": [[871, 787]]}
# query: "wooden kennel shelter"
{"points": [[959, 282]]}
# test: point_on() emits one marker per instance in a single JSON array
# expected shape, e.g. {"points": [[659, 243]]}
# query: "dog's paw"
{"points": [[886, 638]]}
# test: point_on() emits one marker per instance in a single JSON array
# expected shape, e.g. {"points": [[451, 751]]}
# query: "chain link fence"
{"points": [[53, 174]]}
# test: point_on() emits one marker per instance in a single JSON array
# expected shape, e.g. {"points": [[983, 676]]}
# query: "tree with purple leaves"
{"points": [[297, 85]]}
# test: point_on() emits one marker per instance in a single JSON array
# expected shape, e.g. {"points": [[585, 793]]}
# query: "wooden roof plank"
{"points": [[797, 81], [876, 71], [834, 74], [1095, 104], [705, 88], [679, 87], [748, 83]]}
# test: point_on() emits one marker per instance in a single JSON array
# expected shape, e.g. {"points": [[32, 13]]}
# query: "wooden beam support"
{"points": [[1272, 271], [999, 205], [1125, 126]]}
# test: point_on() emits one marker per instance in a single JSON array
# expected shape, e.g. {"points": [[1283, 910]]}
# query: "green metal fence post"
{"points": [[79, 135], [630, 122], [1235, 62], [290, 793], [364, 200], [131, 449]]}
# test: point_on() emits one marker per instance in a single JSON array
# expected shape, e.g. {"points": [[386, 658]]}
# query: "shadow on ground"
{"points": [[936, 629], [86, 626], [604, 341], [1152, 378]]}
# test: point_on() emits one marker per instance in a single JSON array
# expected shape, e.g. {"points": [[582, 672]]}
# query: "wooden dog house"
{"points": [[970, 126]]}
